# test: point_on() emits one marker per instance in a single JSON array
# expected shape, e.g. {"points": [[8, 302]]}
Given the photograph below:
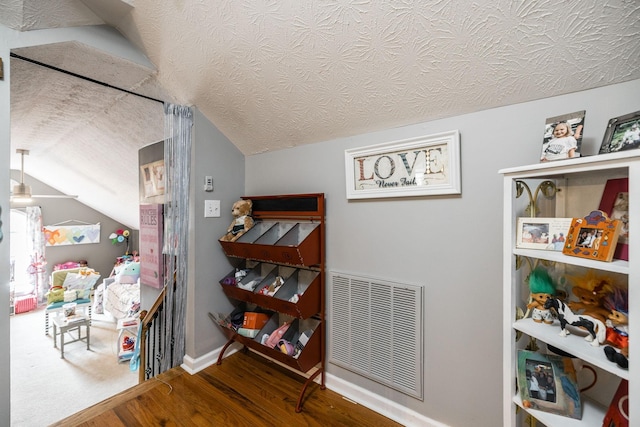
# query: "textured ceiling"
{"points": [[83, 137], [277, 74]]}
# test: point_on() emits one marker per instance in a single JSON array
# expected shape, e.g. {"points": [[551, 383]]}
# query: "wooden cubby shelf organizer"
{"points": [[285, 244]]}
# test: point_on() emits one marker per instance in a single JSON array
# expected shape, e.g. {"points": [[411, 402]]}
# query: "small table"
{"points": [[62, 325]]}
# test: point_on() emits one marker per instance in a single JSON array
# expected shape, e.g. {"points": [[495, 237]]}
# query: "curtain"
{"points": [[177, 156], [36, 252]]}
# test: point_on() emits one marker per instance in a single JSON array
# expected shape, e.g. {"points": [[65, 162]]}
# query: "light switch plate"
{"points": [[212, 208]]}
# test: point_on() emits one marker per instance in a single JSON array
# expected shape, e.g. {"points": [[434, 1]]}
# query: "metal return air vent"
{"points": [[376, 330]]}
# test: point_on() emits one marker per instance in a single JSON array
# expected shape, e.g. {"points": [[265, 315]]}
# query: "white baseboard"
{"points": [[193, 366], [379, 404], [357, 394]]}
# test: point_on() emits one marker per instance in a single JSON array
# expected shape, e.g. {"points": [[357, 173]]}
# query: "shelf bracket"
{"points": [[547, 188]]}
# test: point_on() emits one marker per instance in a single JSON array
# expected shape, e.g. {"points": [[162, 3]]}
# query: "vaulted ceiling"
{"points": [[277, 74]]}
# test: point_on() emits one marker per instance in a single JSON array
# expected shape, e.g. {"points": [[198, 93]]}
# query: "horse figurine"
{"points": [[595, 327]]}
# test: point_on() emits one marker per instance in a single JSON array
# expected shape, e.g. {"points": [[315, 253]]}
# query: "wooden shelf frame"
{"points": [[289, 231]]}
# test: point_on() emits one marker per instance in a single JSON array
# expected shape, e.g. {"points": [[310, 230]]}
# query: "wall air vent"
{"points": [[376, 330]]}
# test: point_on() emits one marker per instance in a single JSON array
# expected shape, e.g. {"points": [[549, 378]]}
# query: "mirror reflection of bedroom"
{"points": [[83, 373]]}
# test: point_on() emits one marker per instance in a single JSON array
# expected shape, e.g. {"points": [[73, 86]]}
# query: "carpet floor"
{"points": [[46, 388]]}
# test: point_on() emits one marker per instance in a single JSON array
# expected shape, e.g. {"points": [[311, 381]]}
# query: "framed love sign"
{"points": [[423, 166]]}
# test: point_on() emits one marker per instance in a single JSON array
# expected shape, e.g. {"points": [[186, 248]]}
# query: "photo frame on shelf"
{"points": [[542, 233], [424, 166], [549, 383], [562, 137], [594, 237], [615, 203], [623, 133]]}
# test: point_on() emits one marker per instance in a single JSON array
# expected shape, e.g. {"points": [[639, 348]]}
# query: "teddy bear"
{"points": [[242, 222]]}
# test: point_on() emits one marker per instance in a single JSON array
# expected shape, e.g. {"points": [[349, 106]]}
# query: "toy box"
{"points": [[254, 320]]}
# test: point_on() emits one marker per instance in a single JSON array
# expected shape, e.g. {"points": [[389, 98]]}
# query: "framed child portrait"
{"points": [[623, 133], [562, 137], [594, 237], [549, 383]]}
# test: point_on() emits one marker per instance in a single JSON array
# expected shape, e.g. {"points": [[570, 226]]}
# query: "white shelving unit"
{"points": [[580, 183]]}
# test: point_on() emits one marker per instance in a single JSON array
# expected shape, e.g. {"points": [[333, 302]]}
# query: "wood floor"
{"points": [[245, 390]]}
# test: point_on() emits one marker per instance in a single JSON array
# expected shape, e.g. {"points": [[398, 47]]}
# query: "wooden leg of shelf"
{"points": [[223, 350], [304, 388]]}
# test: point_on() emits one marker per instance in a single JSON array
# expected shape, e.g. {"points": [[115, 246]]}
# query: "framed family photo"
{"points": [[562, 137], [623, 133], [594, 237], [542, 233], [549, 383]]}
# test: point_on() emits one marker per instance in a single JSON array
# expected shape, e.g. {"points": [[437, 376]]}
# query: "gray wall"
{"points": [[212, 155], [100, 256], [450, 245]]}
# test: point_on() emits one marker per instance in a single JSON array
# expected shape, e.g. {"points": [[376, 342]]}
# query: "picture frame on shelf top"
{"points": [[563, 137], [623, 133]]}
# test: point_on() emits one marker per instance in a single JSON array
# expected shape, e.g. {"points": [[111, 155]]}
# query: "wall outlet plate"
{"points": [[212, 208]]}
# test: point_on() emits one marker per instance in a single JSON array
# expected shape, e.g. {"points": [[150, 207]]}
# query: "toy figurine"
{"points": [[542, 288], [618, 329], [242, 222], [597, 329], [591, 292]]}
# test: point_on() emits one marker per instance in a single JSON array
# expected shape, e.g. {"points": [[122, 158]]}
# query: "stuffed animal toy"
{"points": [[129, 273], [242, 222], [542, 288], [273, 287], [591, 291]]}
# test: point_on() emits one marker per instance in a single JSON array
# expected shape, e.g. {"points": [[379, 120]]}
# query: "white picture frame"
{"points": [[423, 166], [542, 233]]}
